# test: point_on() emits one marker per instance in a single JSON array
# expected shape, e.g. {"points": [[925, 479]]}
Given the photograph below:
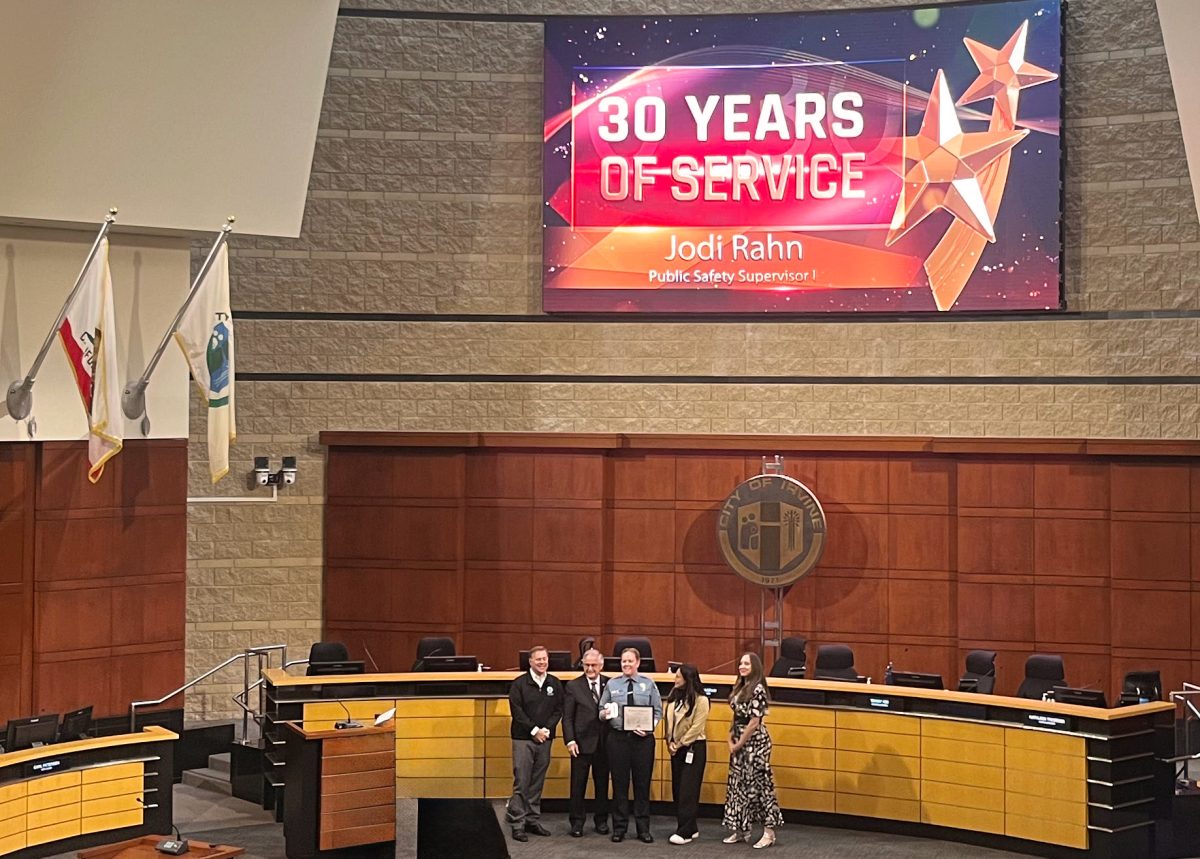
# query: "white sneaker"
{"points": [[676, 838], [695, 835]]}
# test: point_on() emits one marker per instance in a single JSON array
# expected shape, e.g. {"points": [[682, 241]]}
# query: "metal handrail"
{"points": [[259, 652], [1184, 697]]}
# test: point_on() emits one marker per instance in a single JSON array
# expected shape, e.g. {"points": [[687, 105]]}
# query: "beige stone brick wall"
{"points": [[425, 198]]}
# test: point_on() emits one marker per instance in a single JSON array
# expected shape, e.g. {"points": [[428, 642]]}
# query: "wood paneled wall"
{"points": [[1087, 549], [93, 610]]}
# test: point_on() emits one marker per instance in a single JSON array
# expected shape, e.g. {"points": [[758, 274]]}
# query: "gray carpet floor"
{"points": [[218, 819]]}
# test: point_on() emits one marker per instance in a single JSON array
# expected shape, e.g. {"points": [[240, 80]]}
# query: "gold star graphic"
{"points": [[1003, 74], [941, 168]]}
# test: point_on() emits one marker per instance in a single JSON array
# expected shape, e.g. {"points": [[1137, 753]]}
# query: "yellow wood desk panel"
{"points": [[1045, 742], [12, 843], [12, 808], [955, 773], [1046, 808], [1046, 831], [816, 737], [13, 791], [968, 796], [967, 732], [981, 754], [13, 826], [111, 805], [52, 783], [442, 708], [877, 723], [874, 742], [108, 822], [865, 805], [1040, 784], [1045, 763], [57, 832], [871, 763], [111, 772], [962, 817], [117, 787], [51, 799]]}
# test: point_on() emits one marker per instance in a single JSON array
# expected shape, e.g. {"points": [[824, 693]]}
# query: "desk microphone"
{"points": [[367, 651], [177, 846], [349, 723]]}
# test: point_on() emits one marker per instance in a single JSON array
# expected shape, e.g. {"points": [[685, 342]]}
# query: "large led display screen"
{"points": [[896, 160]]}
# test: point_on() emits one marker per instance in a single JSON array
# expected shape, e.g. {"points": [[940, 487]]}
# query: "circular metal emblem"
{"points": [[771, 530]]}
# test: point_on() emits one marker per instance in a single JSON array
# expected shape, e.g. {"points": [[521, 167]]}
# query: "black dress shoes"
{"points": [[576, 832], [646, 838], [519, 835], [536, 829], [602, 828], [618, 837]]}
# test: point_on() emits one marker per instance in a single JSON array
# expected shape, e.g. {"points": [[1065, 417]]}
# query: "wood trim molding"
{"points": [[1166, 448]]}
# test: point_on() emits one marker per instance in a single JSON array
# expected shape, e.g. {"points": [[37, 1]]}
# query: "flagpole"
{"points": [[133, 397], [20, 393]]}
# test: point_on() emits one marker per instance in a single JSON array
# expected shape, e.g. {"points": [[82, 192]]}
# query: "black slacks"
{"points": [[685, 786], [595, 763], [631, 755]]}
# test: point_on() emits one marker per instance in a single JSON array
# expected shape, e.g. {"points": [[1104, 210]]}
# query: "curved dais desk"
{"points": [[68, 796], [1030, 776]]}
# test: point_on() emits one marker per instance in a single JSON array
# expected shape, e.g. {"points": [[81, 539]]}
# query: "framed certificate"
{"points": [[637, 718]]}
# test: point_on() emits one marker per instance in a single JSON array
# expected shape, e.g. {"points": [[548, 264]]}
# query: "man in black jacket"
{"points": [[584, 733], [536, 701]]}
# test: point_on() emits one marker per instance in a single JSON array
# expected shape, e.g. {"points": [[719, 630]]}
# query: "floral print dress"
{"points": [[750, 792]]}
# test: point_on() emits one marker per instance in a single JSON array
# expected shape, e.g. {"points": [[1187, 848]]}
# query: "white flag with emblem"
{"points": [[206, 336], [88, 335]]}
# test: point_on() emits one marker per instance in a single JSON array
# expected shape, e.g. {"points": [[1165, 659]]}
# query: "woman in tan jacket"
{"points": [[686, 719]]}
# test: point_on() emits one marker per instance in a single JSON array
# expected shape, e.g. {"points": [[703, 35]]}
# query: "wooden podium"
{"points": [[340, 792]]}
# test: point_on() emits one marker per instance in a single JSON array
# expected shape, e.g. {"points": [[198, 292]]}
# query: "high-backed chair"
{"points": [[835, 662], [585, 644], [1140, 686], [643, 648], [792, 658], [1043, 671], [980, 675], [326, 651], [432, 646]]}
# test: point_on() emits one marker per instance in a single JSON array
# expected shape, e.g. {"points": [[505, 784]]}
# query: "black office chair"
{"points": [[643, 648], [1043, 671], [792, 658], [432, 647], [326, 651], [1141, 686], [585, 644], [835, 662], [980, 675]]}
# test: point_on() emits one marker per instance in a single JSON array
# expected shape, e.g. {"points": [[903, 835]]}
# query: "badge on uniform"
{"points": [[549, 689]]}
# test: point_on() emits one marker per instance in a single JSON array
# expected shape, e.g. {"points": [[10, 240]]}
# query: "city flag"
{"points": [[206, 336], [88, 334]]}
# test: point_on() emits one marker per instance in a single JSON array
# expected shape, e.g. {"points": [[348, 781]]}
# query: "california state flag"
{"points": [[206, 336], [88, 334]]}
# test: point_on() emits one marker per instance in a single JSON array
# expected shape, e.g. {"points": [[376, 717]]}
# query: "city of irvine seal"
{"points": [[771, 530]]}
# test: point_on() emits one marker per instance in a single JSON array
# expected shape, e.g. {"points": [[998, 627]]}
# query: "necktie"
{"points": [[596, 691], [629, 691]]}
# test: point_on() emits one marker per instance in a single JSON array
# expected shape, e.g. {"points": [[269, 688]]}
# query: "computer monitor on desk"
{"points": [[76, 725], [30, 732], [916, 680], [326, 669], [1079, 697], [450, 663]]}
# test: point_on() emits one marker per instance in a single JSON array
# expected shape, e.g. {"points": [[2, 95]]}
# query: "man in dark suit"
{"points": [[585, 733], [536, 702]]}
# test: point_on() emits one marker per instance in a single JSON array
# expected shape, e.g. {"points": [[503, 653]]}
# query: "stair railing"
{"points": [[262, 656]]}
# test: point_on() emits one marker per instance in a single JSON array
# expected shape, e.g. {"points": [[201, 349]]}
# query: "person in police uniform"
{"points": [[536, 702], [630, 753]]}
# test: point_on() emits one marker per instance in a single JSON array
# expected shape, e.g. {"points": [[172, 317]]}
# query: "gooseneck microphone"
{"points": [[419, 665], [349, 723], [722, 665], [177, 846], [367, 651]]}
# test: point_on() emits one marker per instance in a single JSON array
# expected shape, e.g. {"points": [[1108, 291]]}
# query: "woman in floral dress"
{"points": [[750, 793]]}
